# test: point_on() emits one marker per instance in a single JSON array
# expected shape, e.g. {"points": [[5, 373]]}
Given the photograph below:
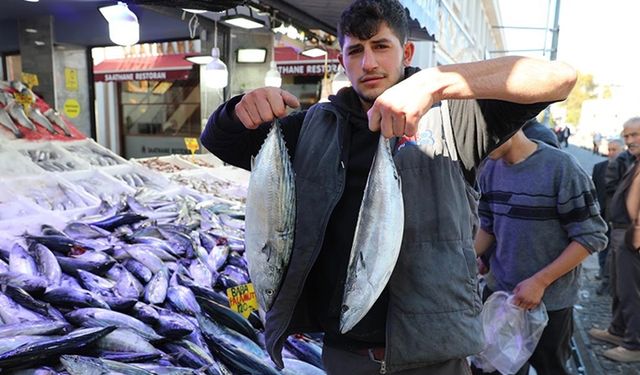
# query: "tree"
{"points": [[584, 89]]}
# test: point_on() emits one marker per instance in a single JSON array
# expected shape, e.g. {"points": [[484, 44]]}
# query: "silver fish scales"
{"points": [[270, 217], [377, 240]]}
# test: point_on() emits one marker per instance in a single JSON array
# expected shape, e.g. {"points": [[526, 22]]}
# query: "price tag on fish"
{"points": [[29, 79], [25, 99], [192, 145], [242, 299]]}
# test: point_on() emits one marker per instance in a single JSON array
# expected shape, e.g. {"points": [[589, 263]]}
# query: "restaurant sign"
{"points": [[159, 75], [307, 69]]}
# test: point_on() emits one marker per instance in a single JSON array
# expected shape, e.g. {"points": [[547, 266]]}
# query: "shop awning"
{"points": [[153, 68], [324, 14]]}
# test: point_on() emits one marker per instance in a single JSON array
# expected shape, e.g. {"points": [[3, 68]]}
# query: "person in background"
{"points": [[624, 329], [621, 164], [566, 133], [597, 139], [442, 121], [538, 208], [614, 147], [533, 129]]}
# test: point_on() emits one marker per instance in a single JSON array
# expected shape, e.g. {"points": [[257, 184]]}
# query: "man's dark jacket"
{"points": [[433, 312]]}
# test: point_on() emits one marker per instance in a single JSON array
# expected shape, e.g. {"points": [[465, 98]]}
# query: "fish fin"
{"points": [[362, 260], [267, 250]]}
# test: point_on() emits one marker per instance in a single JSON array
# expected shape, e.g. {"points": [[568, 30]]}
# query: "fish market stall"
{"points": [[116, 266]]}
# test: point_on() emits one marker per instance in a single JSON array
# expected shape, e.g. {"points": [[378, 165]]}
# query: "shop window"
{"points": [[162, 108]]}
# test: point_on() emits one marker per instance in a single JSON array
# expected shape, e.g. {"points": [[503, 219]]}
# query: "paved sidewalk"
{"points": [[595, 311]]}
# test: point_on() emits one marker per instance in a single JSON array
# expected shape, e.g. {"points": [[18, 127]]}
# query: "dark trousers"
{"points": [[553, 349], [341, 362], [625, 284]]}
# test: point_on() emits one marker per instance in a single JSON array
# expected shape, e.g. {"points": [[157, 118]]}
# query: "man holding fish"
{"points": [[382, 260]]}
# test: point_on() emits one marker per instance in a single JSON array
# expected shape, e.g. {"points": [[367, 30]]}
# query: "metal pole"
{"points": [[556, 32], [554, 51]]}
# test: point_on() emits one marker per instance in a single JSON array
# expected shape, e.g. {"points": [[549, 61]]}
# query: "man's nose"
{"points": [[369, 62]]}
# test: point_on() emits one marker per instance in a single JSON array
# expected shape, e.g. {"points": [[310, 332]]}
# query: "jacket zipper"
{"points": [[316, 251], [383, 366]]}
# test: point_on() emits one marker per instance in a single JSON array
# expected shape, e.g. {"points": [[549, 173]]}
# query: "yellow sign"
{"points": [[192, 145], [242, 299], [29, 79], [71, 108], [24, 99], [71, 79]]}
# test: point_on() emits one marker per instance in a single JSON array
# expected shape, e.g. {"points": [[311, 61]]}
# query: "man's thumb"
{"points": [[290, 99]]}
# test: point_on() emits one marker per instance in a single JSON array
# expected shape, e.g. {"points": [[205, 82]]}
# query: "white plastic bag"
{"points": [[511, 334]]}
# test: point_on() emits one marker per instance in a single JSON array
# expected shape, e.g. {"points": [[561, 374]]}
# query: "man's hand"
{"points": [[528, 293], [264, 105], [397, 111]]}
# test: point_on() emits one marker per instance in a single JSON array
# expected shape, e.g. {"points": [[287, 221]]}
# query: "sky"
{"points": [[597, 37]]}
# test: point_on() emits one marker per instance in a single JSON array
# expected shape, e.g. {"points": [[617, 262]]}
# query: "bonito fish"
{"points": [[38, 117], [377, 240], [17, 112], [56, 119], [270, 217], [7, 122]]}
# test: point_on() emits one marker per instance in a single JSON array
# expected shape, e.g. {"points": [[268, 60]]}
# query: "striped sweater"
{"points": [[535, 209]]}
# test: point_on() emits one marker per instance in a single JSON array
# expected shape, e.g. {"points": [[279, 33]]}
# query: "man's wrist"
{"points": [[433, 80], [541, 280]]}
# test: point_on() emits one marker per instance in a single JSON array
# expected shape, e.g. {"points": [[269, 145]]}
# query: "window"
{"points": [[164, 108]]}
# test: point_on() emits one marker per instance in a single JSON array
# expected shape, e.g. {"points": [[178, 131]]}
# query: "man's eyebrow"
{"points": [[376, 41], [381, 40], [354, 46]]}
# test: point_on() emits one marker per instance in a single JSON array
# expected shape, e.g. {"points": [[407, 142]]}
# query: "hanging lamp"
{"points": [[216, 74], [273, 77], [124, 29], [340, 80]]}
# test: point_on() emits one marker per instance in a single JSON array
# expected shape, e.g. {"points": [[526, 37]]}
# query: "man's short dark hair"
{"points": [[363, 18]]}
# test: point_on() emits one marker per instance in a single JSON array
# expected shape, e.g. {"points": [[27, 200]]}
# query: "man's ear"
{"points": [[340, 59], [409, 50]]}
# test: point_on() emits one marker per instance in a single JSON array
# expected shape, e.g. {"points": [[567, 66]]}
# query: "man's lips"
{"points": [[367, 79]]}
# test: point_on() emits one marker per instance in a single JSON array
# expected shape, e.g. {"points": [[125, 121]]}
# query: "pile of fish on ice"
{"points": [[136, 288], [15, 118]]}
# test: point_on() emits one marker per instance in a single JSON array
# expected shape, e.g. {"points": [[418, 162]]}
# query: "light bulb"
{"points": [[216, 74], [273, 77], [339, 81]]}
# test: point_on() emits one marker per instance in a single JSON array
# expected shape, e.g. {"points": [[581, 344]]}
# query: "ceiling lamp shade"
{"points": [[339, 81], [124, 29], [243, 21], [199, 59], [314, 52], [216, 74], [273, 77]]}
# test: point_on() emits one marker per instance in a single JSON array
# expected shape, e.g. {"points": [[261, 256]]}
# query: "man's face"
{"points": [[614, 149], [631, 135], [375, 64]]}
